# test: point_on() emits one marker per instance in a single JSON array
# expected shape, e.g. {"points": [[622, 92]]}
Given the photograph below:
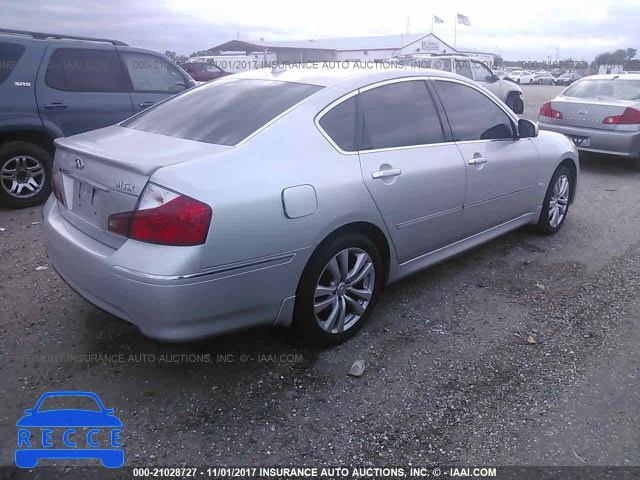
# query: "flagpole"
{"points": [[455, 31], [431, 23]]}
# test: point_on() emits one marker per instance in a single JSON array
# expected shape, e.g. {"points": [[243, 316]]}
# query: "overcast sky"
{"points": [[518, 30]]}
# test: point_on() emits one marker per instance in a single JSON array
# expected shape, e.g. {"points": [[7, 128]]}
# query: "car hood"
{"points": [[69, 418]]}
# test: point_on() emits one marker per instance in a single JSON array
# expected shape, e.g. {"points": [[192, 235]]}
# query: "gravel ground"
{"points": [[451, 378]]}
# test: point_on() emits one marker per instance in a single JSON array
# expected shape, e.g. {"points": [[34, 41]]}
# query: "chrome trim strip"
{"points": [[82, 178], [409, 223], [467, 239], [277, 260], [497, 197]]}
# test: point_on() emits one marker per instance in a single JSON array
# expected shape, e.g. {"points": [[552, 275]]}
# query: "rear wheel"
{"points": [[556, 202], [338, 289], [25, 172]]}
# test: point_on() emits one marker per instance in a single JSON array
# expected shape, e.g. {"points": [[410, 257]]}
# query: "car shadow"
{"points": [[609, 164]]}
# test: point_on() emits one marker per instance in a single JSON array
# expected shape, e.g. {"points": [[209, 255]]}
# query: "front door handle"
{"points": [[146, 104], [477, 161], [55, 105], [392, 172]]}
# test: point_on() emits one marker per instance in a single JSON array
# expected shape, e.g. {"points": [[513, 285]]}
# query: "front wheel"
{"points": [[338, 289], [556, 202], [25, 170]]}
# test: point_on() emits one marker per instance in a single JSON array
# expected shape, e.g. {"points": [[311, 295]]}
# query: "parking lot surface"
{"points": [[521, 352]]}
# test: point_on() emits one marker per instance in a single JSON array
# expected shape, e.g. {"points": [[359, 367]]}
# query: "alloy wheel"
{"points": [[559, 201], [344, 290], [22, 176]]}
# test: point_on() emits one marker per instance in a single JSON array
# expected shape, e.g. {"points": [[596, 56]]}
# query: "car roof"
{"points": [[336, 74], [611, 76]]}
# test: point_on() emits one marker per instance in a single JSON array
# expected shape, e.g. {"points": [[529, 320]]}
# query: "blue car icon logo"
{"points": [[89, 432]]}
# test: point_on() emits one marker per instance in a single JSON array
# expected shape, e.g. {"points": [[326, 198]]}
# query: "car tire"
{"points": [[25, 173], [327, 309], [518, 80], [556, 202], [539, 82], [515, 102]]}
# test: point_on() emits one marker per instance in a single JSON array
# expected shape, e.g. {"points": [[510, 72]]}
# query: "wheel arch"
{"points": [[571, 165], [372, 231], [38, 137]]}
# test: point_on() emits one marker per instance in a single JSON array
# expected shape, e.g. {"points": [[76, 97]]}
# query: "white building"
{"points": [[351, 48]]}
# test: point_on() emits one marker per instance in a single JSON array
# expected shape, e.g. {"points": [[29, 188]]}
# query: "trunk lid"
{"points": [[588, 113], [105, 171]]}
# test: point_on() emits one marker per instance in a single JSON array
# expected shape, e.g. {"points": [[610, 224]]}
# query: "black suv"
{"points": [[56, 85]]}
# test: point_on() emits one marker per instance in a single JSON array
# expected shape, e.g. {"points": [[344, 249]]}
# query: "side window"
{"points": [[472, 115], [84, 70], [213, 68], [463, 68], [442, 64], [340, 124], [10, 54], [399, 115], [149, 73], [480, 72]]}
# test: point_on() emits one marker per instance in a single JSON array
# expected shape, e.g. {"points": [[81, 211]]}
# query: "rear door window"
{"points": [[223, 112], [399, 115], [10, 54], [84, 70], [150, 73], [340, 124]]}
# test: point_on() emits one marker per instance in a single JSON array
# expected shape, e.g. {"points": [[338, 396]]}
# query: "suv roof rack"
{"points": [[57, 36]]}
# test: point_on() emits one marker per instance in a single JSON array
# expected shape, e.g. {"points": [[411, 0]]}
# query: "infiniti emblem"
{"points": [[582, 112], [79, 163]]}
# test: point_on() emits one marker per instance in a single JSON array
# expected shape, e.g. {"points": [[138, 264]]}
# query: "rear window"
{"points": [[617, 89], [222, 113], [10, 54]]}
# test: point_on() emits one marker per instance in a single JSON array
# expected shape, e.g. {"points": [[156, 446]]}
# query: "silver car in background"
{"points": [[600, 113], [291, 197]]}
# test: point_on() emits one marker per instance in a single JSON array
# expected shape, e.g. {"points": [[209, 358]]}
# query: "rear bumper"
{"points": [[609, 142], [171, 307]]}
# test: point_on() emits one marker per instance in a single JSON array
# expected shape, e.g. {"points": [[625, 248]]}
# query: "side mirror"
{"points": [[29, 411], [493, 78], [527, 128]]}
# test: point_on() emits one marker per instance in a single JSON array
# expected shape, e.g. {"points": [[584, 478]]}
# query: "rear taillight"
{"points": [[164, 217], [630, 116], [57, 190], [547, 111]]}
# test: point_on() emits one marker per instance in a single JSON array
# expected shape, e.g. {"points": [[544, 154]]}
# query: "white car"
{"points": [[522, 76], [505, 90]]}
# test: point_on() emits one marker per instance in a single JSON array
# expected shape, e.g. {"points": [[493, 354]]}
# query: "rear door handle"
{"points": [[393, 172], [477, 161], [55, 105], [146, 104]]}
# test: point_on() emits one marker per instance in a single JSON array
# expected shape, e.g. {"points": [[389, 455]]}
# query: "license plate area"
{"points": [[86, 202], [580, 141]]}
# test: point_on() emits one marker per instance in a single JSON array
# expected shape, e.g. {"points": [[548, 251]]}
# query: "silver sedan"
{"points": [[601, 114], [292, 197]]}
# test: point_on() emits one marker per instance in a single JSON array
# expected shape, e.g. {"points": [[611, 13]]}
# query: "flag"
{"points": [[463, 19], [437, 19]]}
